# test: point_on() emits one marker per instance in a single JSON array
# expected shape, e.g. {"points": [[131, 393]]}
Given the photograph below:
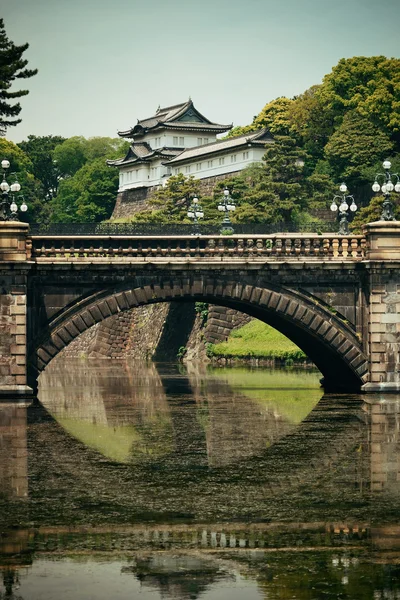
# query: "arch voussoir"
{"points": [[295, 313]]}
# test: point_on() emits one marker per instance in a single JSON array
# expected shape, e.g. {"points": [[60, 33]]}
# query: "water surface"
{"points": [[124, 480]]}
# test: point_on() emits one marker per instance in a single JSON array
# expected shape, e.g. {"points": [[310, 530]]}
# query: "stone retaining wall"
{"points": [[130, 202], [156, 331], [221, 321]]}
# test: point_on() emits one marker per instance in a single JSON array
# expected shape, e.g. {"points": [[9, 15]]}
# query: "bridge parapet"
{"points": [[273, 247]]}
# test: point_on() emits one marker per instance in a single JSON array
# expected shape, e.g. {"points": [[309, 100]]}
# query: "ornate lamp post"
{"points": [[386, 188], [195, 212], [226, 205], [343, 208], [8, 205]]}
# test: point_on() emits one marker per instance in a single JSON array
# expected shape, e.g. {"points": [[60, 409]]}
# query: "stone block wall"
{"points": [[130, 202], [382, 322], [137, 333], [14, 252], [13, 332], [384, 327], [134, 333], [221, 321], [136, 200]]}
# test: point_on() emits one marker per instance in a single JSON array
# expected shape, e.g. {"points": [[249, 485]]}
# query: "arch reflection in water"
{"points": [[146, 413], [222, 484]]}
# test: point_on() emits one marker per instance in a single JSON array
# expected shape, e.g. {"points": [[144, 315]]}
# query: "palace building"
{"points": [[179, 139]]}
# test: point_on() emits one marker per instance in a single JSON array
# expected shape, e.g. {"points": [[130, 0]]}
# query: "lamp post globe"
{"points": [[343, 207], [386, 188], [9, 202], [194, 212], [226, 205]]}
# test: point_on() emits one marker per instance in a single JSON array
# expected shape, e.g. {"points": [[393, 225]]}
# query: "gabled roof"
{"points": [[255, 138], [141, 152], [180, 116]]}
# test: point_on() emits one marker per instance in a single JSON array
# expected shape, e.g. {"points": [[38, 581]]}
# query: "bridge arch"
{"points": [[327, 339]]}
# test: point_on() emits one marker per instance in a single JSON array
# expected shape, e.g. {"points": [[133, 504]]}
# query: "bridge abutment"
{"points": [[14, 268], [383, 298]]}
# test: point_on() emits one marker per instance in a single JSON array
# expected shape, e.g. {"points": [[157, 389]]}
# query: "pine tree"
{"points": [[12, 66]]}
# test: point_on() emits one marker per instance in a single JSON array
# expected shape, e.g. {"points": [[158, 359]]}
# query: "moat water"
{"points": [[165, 482]]}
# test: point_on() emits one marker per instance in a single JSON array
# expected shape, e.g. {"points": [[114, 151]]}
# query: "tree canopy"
{"points": [[339, 130], [12, 67]]}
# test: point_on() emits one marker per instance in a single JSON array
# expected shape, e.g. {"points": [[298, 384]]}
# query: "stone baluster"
{"points": [[288, 246], [354, 247], [345, 247]]}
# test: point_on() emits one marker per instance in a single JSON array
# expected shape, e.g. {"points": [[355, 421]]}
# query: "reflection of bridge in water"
{"points": [[181, 558], [174, 461], [287, 480]]}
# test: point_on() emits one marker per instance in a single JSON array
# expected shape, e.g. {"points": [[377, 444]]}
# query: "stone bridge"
{"points": [[336, 297]]}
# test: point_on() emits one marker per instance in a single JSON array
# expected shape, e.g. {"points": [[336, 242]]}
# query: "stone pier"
{"points": [[383, 300], [14, 269]]}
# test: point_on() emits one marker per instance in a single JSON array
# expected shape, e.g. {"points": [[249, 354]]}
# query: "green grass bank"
{"points": [[257, 340]]}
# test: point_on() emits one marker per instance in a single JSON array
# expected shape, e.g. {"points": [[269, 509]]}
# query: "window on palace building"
{"points": [[187, 169], [199, 141], [137, 173], [221, 161], [233, 158], [245, 155], [205, 140], [198, 167], [209, 163], [181, 141], [176, 171], [175, 140]]}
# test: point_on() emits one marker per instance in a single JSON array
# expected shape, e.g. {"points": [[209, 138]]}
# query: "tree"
{"points": [[12, 67], [70, 155], [170, 203], [41, 153], [274, 116], [369, 84], [73, 153], [88, 196], [21, 168], [357, 143]]}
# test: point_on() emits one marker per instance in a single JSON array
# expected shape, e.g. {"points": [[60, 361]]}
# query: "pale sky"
{"points": [[103, 64]]}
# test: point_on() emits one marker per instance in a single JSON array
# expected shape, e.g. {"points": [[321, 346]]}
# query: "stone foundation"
{"points": [[157, 332], [14, 252], [221, 321], [136, 200], [383, 330]]}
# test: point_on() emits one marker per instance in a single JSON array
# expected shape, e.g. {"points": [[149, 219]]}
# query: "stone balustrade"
{"points": [[274, 247]]}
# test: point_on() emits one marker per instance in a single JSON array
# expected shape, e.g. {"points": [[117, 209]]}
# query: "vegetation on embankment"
{"points": [[257, 340]]}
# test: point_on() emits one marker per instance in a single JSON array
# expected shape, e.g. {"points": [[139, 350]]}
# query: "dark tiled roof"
{"points": [[214, 127], [256, 138], [142, 152], [168, 117]]}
